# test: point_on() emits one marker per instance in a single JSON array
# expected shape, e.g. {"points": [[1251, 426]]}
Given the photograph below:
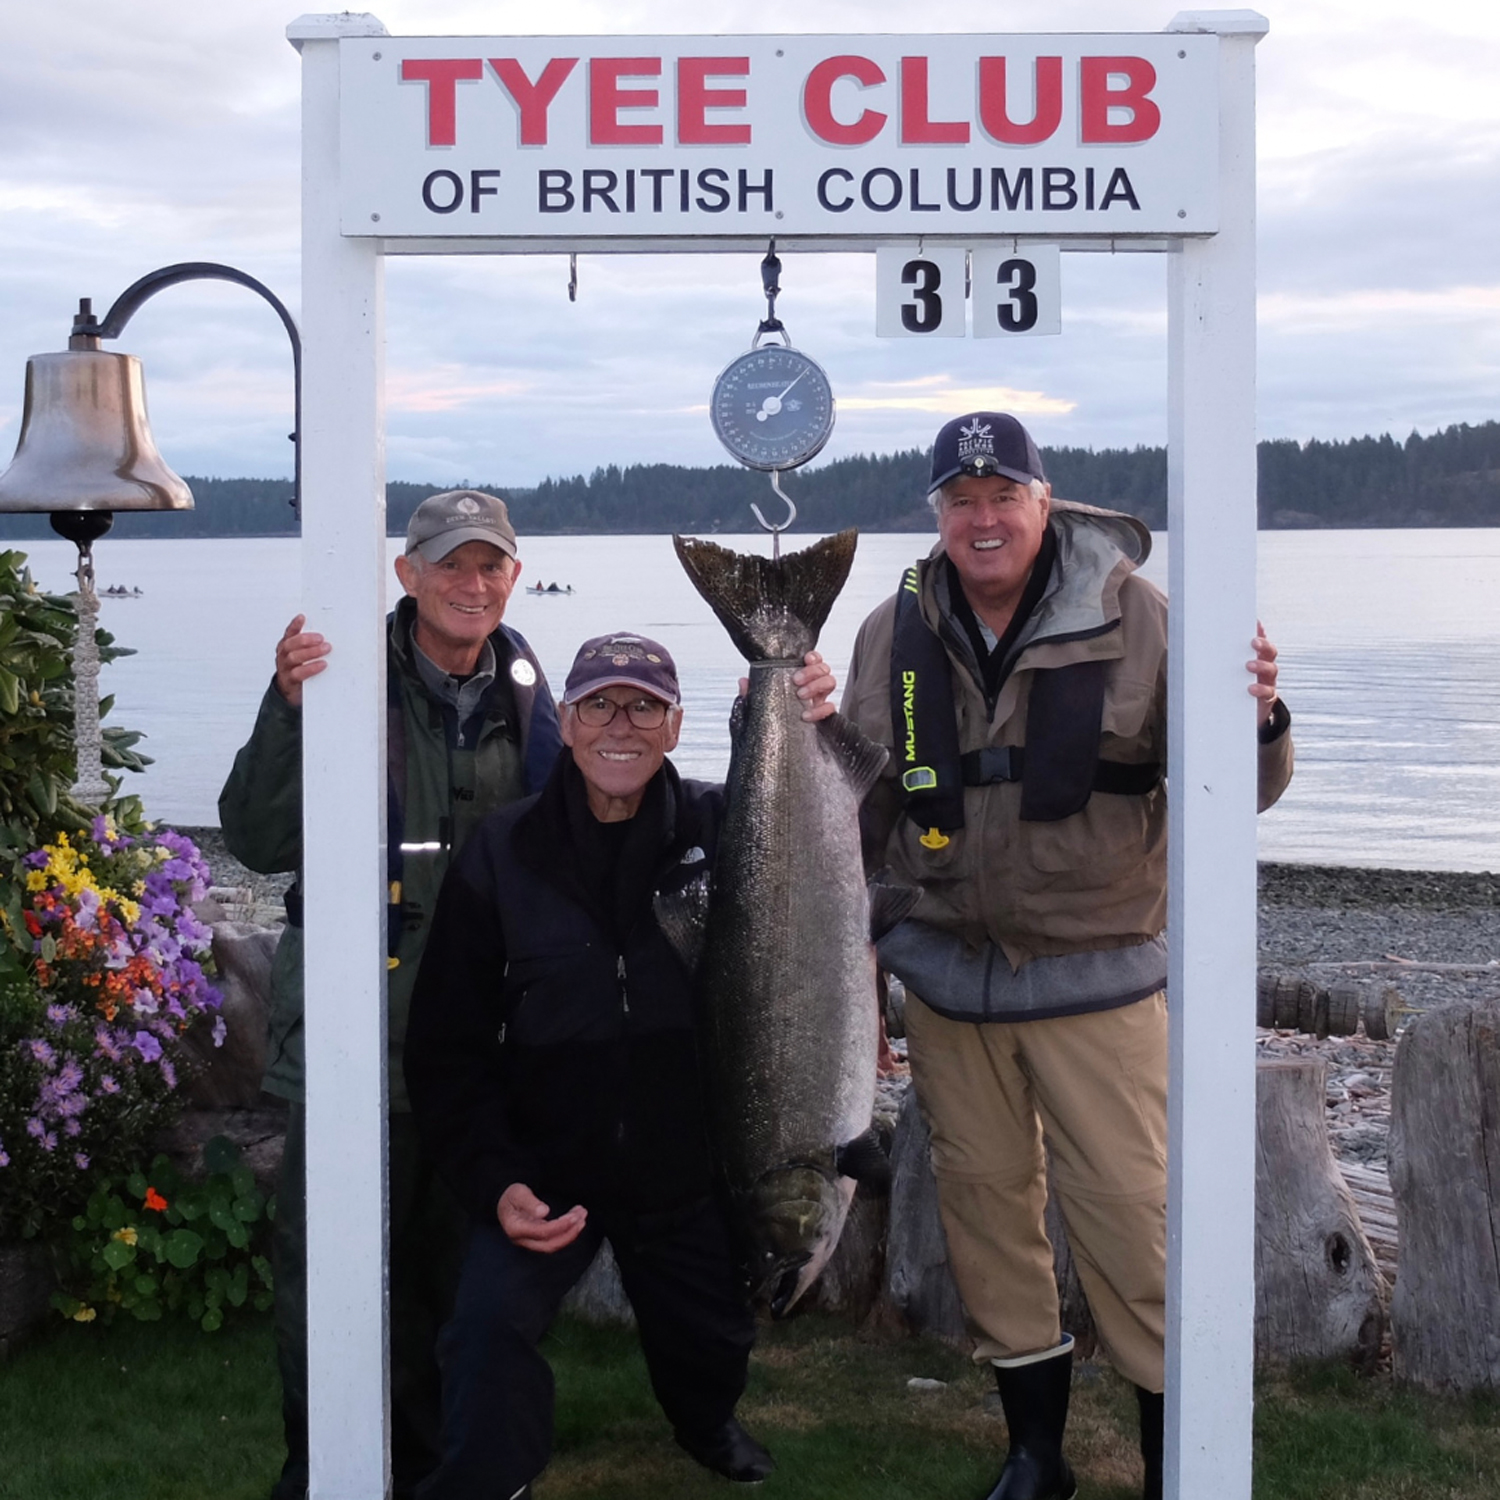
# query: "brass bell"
{"points": [[85, 443]]}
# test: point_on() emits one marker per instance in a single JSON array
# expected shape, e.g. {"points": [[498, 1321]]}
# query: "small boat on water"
{"points": [[549, 588], [119, 591]]}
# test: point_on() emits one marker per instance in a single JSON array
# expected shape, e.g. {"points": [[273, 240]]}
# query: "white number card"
{"points": [[921, 291]]}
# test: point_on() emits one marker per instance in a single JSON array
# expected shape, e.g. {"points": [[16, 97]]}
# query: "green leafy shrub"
{"points": [[158, 1244], [38, 760]]}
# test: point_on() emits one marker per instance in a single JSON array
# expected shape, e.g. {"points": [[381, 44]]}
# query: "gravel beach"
{"points": [[1310, 915]]}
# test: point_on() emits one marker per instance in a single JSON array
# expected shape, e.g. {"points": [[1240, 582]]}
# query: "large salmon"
{"points": [[781, 937]]}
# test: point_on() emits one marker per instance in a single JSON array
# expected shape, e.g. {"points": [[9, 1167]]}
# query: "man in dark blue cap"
{"points": [[1020, 677]]}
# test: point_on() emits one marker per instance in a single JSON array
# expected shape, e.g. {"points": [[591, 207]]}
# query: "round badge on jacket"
{"points": [[522, 672]]}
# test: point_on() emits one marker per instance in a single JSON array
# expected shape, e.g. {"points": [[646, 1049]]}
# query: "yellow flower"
{"points": [[85, 1315], [127, 1234], [36, 880]]}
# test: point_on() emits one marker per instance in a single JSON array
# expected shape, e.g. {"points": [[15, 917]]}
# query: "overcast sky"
{"points": [[137, 133]]}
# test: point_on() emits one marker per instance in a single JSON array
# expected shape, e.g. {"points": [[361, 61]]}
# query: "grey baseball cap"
{"points": [[442, 522]]}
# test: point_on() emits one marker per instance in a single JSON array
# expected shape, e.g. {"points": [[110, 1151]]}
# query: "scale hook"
{"points": [[791, 514]]}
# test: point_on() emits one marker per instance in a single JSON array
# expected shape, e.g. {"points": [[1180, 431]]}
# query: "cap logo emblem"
{"points": [[620, 661], [977, 437], [468, 505]]}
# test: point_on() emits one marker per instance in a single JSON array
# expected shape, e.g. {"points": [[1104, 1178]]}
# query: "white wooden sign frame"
{"points": [[1212, 761]]}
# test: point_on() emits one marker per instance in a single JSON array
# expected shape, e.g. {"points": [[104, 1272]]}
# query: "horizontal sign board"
{"points": [[859, 137]]}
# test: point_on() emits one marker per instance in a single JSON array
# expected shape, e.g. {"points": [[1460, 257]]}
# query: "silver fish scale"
{"points": [[791, 1027]]}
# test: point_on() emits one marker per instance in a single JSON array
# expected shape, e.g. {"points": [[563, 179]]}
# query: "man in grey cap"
{"points": [[471, 726]]}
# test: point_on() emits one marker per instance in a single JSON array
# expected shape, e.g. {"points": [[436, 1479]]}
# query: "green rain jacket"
{"points": [[447, 790]]}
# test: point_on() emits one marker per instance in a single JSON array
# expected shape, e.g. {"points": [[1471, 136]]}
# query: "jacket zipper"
{"points": [[620, 976]]}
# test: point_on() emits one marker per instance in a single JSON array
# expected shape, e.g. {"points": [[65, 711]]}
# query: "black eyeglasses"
{"points": [[596, 712]]}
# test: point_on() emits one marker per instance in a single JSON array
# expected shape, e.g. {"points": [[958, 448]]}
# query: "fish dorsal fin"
{"points": [[861, 758], [867, 1160], [890, 903], [682, 916], [772, 607]]}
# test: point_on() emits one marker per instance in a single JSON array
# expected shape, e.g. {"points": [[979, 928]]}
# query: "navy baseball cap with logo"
{"points": [[984, 442], [623, 661], [442, 522]]}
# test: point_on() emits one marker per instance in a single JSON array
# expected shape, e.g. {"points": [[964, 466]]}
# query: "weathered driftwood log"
{"points": [[1293, 1001], [1371, 1190], [918, 1282], [1319, 1293], [229, 1076], [1445, 1170], [600, 1296]]}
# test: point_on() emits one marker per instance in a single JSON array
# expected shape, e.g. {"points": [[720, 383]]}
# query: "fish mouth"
{"points": [[789, 1286], [791, 1221]]}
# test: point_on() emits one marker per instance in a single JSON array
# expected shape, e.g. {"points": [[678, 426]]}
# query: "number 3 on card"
{"points": [[919, 293], [1016, 291], [920, 290]]}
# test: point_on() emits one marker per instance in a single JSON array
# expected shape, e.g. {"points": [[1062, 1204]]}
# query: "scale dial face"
{"points": [[773, 408]]}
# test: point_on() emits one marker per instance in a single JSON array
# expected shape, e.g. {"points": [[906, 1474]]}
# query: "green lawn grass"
{"points": [[161, 1410]]}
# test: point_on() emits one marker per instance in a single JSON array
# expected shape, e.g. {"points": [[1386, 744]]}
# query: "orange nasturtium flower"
{"points": [[155, 1200]]}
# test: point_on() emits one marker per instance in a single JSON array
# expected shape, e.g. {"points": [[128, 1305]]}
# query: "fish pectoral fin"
{"points": [[859, 757], [867, 1160], [683, 918], [890, 903]]}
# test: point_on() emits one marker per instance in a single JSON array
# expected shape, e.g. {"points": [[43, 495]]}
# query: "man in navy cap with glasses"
{"points": [[1019, 675], [552, 1065]]}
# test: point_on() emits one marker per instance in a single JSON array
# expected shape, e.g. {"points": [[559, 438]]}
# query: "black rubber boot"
{"points": [[1151, 1430], [1034, 1395]]}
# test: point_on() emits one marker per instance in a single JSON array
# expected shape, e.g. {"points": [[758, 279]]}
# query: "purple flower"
{"points": [[36, 860], [4, 1156], [60, 1015], [49, 1141], [220, 1030], [107, 1085], [169, 1072], [70, 1128], [69, 1076], [41, 1052], [105, 1044], [35, 1129], [147, 1046], [80, 1161]]}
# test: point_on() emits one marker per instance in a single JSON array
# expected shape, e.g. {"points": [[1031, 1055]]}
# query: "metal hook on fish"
{"points": [[791, 514]]}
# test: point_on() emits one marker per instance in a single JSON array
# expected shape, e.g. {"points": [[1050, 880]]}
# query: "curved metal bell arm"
{"points": [[87, 326]]}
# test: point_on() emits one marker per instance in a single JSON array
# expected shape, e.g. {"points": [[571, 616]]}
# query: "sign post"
{"points": [[985, 152]]}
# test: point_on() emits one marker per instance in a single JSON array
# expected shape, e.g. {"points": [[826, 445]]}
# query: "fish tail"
{"points": [[773, 608]]}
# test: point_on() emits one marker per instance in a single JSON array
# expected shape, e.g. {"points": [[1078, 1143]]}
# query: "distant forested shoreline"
{"points": [[1451, 478]]}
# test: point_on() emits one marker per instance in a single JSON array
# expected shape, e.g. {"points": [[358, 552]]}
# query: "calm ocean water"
{"points": [[1390, 647]]}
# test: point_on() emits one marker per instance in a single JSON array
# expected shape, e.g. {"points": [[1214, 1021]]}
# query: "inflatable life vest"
{"points": [[1059, 768]]}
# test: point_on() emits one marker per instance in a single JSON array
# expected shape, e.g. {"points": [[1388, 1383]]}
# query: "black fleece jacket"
{"points": [[551, 1035]]}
